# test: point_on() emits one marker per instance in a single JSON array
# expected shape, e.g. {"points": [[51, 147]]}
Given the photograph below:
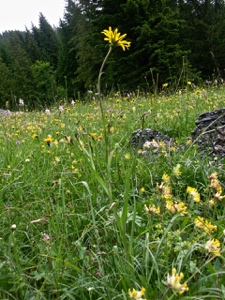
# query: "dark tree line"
{"points": [[171, 41]]}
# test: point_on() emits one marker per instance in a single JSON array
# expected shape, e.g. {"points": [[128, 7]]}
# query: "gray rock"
{"points": [[4, 113], [141, 136], [209, 134]]}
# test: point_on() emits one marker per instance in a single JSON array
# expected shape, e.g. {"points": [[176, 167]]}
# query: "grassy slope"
{"points": [[82, 231]]}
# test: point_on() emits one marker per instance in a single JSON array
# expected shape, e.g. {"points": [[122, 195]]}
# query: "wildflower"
{"points": [[61, 108], [166, 178], [115, 39], [176, 170], [57, 159], [152, 209], [34, 136], [46, 237], [170, 206], [181, 208], [48, 140], [217, 196], [165, 85], [174, 207], [142, 190], [72, 102], [147, 144], [21, 102], [215, 185], [213, 176], [137, 295], [127, 155], [213, 246], [173, 281], [13, 227], [166, 192], [47, 111], [189, 82], [207, 226], [193, 194]]}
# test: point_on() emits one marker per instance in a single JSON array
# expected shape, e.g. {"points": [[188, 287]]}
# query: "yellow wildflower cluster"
{"points": [[171, 206], [205, 225], [137, 295], [216, 187], [193, 194], [175, 207], [176, 170], [213, 246], [152, 209], [173, 281], [164, 187]]}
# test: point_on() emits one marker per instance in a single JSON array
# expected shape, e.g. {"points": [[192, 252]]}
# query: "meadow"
{"points": [[84, 216]]}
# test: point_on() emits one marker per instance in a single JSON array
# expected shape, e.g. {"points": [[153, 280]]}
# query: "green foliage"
{"points": [[171, 42], [75, 226], [44, 81]]}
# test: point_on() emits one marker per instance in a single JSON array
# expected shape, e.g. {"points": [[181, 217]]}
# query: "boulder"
{"points": [[148, 139], [209, 133]]}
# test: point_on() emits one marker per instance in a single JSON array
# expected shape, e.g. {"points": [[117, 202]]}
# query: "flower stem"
{"points": [[167, 290], [100, 101]]}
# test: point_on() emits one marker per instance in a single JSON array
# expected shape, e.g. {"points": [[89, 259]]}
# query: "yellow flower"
{"points": [[127, 155], [49, 139], [166, 193], [170, 206], [174, 207], [189, 82], [137, 295], [181, 208], [142, 190], [173, 281], [205, 225], [152, 209], [165, 85], [176, 170], [213, 246], [216, 186], [114, 38], [166, 178], [213, 176], [92, 135], [193, 193], [217, 196]]}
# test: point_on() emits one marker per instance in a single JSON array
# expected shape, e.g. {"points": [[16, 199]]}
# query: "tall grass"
{"points": [[74, 225]]}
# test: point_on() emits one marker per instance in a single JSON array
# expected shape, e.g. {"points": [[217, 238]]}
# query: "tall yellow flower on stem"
{"points": [[115, 39]]}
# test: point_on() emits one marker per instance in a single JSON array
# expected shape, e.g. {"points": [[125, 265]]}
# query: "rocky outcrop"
{"points": [[209, 133], [148, 139]]}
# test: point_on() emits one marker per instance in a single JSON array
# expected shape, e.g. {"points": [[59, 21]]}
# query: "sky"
{"points": [[19, 14]]}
